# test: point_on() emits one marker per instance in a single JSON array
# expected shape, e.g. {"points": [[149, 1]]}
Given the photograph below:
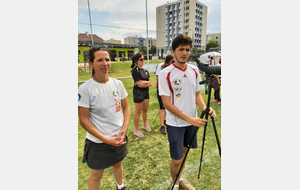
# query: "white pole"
{"points": [[90, 22], [147, 43]]}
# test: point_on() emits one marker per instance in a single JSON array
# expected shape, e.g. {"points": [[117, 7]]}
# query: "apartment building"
{"points": [[214, 36], [140, 41], [187, 17]]}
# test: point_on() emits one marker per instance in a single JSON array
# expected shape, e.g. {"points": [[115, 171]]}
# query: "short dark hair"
{"points": [[181, 39], [168, 58]]}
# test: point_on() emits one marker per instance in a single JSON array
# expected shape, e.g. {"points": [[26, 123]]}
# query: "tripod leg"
{"points": [[202, 149], [215, 129], [204, 134], [156, 118]]}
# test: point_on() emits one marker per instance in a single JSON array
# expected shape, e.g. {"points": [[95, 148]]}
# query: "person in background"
{"points": [[208, 60], [212, 62], [216, 86], [180, 93], [141, 96], [104, 113], [162, 112]]}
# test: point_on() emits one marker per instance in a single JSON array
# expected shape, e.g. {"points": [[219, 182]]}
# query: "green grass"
{"points": [[147, 163], [118, 69]]}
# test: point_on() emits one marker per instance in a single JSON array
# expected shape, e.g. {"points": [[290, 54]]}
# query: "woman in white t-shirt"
{"points": [[104, 113]]}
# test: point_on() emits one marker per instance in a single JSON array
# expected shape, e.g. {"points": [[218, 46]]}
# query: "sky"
{"points": [[123, 18]]}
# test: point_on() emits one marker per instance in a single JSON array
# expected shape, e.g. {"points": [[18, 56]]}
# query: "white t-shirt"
{"points": [[181, 86], [104, 101], [158, 68], [208, 61]]}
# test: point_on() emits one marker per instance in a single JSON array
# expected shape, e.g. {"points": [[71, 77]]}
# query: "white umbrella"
{"points": [[203, 57]]}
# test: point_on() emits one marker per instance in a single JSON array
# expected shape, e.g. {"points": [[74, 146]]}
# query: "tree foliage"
{"points": [[144, 50], [211, 44], [152, 50]]}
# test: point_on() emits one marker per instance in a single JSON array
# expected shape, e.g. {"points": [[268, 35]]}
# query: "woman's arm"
{"points": [[126, 114], [144, 84], [84, 114]]}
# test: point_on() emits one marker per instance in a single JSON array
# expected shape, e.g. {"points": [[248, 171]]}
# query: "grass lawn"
{"points": [[118, 69], [147, 163]]}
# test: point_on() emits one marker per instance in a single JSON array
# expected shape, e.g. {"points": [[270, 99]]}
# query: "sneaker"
{"points": [[147, 128], [138, 133], [163, 130], [176, 187], [215, 100], [123, 188], [185, 185], [219, 102]]}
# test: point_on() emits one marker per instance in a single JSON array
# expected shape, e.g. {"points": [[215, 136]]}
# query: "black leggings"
{"points": [[217, 95]]}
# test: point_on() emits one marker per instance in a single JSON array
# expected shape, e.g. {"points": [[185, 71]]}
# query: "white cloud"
{"points": [[132, 14]]}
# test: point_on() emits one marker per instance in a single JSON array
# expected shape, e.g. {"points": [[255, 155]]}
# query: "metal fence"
{"points": [[85, 67]]}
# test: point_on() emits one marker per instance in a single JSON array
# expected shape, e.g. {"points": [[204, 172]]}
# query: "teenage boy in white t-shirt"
{"points": [[179, 89]]}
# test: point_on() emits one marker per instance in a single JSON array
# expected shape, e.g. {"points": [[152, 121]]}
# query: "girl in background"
{"points": [[141, 97]]}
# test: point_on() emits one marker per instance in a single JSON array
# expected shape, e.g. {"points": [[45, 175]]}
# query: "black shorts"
{"points": [[161, 106], [140, 95], [99, 156], [180, 137]]}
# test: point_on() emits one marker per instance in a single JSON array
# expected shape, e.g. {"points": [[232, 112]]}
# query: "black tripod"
{"points": [[209, 80]]}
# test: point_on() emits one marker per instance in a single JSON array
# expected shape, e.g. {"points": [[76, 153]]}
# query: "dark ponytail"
{"points": [[135, 58]]}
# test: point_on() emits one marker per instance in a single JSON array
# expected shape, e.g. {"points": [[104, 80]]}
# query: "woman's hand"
{"points": [[115, 141]]}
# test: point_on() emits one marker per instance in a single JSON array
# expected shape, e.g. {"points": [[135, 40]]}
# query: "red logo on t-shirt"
{"points": [[184, 76], [118, 108]]}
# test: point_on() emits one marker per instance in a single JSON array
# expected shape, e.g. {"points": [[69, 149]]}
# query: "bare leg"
{"points": [[175, 166], [94, 179], [145, 110], [118, 173], [162, 116], [138, 111]]}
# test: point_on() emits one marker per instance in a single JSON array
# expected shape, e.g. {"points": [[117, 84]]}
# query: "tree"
{"points": [[144, 50], [211, 44], [152, 49]]}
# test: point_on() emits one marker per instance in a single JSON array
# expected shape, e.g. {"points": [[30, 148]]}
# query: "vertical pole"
{"points": [[90, 22], [147, 43]]}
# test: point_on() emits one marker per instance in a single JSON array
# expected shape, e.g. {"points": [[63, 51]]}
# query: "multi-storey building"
{"points": [[214, 36], [187, 17], [140, 41]]}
